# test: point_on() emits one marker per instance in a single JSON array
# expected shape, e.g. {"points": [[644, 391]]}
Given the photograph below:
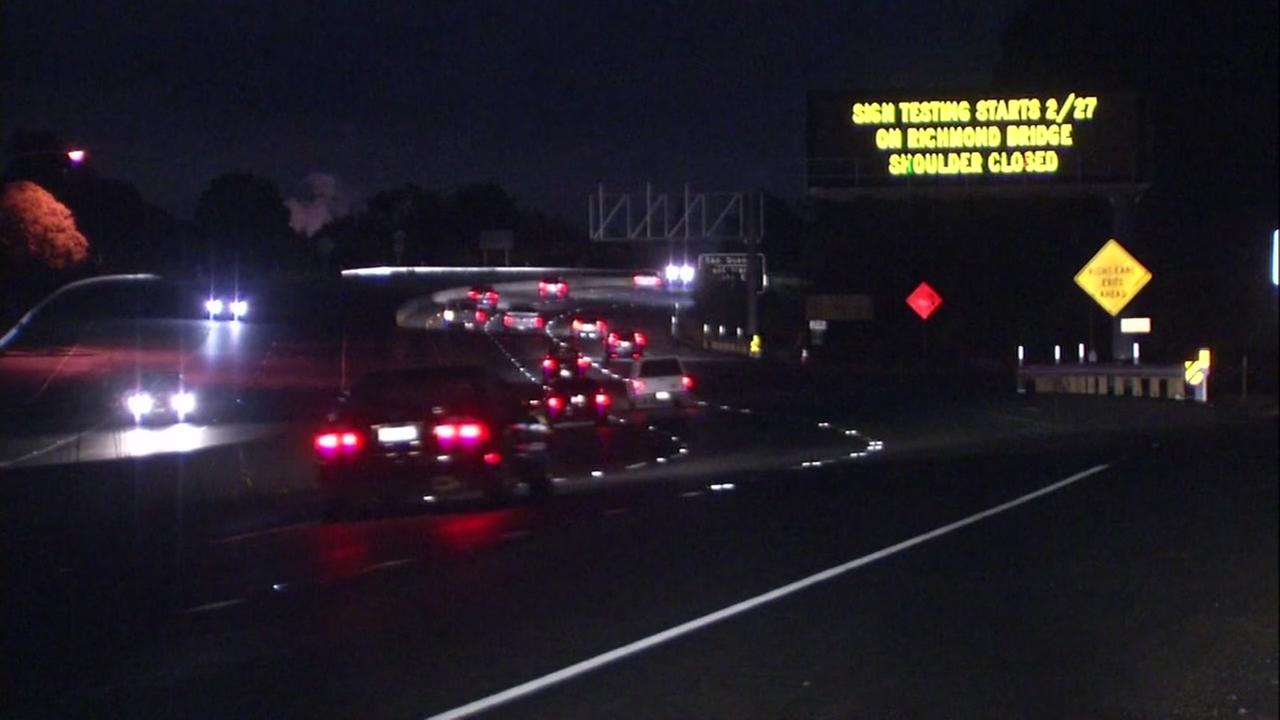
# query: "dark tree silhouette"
{"points": [[243, 223]]}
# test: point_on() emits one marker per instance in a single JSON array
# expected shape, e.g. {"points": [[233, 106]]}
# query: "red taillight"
{"points": [[481, 316], [467, 432], [687, 382], [549, 364], [492, 458], [584, 362], [506, 320], [637, 385], [602, 399], [601, 326], [577, 325], [331, 443], [641, 339], [555, 403], [473, 294], [538, 321], [613, 337]]}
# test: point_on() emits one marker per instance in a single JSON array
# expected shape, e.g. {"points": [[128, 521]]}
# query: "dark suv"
{"points": [[432, 433]]}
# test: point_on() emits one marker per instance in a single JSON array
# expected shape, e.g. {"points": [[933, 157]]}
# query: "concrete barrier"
{"points": [[1163, 382]]}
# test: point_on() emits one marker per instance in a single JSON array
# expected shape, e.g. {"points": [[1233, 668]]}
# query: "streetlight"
{"points": [[74, 157]]}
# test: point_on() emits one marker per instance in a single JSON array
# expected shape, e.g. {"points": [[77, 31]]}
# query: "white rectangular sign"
{"points": [[1135, 326]]}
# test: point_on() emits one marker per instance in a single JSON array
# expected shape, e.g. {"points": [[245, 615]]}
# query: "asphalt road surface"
{"points": [[798, 545]]}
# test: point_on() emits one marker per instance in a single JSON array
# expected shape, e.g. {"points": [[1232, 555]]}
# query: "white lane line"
{"points": [[590, 664], [209, 607], [265, 532], [387, 565], [73, 437]]}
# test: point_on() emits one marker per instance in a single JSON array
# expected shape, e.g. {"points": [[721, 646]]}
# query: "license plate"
{"points": [[392, 434], [662, 395]]}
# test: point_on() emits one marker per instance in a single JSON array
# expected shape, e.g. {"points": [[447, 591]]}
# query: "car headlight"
{"points": [[239, 308], [139, 403], [182, 403], [213, 306]]}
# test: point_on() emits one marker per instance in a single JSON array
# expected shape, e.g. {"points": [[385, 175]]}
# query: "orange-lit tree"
{"points": [[36, 228]]}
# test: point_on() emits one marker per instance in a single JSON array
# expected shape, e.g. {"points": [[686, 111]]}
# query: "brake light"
{"points": [[492, 458], [473, 294], [506, 320], [331, 443], [577, 325], [602, 399], [467, 432], [584, 362], [481, 316], [539, 322], [600, 326], [549, 364], [613, 337], [687, 382], [637, 385], [555, 403], [641, 339]]}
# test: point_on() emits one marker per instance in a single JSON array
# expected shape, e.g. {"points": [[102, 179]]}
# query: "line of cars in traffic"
{"points": [[430, 434]]}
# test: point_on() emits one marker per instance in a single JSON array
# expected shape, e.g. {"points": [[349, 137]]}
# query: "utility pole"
{"points": [[753, 235]]}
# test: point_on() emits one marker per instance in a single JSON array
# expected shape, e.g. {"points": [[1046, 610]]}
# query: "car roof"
{"points": [[574, 384]]}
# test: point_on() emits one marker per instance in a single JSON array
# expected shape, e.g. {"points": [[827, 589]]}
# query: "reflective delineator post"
{"points": [[1080, 352], [1022, 355], [1057, 354], [1137, 354]]}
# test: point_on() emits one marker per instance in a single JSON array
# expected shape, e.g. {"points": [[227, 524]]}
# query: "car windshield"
{"points": [[742, 359], [660, 368]]}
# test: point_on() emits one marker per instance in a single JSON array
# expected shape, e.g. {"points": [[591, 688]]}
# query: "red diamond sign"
{"points": [[924, 300]]}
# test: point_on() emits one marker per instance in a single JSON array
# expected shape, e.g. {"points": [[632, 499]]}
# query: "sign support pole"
{"points": [[1122, 230], [754, 217]]}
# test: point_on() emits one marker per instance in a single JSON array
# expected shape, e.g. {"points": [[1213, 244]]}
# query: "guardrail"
{"points": [[1148, 381]]}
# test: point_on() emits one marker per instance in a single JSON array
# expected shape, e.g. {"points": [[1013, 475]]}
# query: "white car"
{"points": [[658, 381], [523, 318]]}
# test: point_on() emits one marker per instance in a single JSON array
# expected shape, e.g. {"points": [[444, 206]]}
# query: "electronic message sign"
{"points": [[867, 140]]}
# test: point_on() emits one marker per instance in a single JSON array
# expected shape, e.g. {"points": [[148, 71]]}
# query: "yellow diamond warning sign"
{"points": [[1113, 277]]}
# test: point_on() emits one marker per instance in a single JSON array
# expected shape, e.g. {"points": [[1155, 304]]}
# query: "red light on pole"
{"points": [[924, 300]]}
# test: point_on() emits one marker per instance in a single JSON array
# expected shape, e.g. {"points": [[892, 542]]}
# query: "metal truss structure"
{"points": [[690, 217]]}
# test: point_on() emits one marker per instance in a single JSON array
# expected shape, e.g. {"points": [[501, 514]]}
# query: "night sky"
{"points": [[544, 98]]}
